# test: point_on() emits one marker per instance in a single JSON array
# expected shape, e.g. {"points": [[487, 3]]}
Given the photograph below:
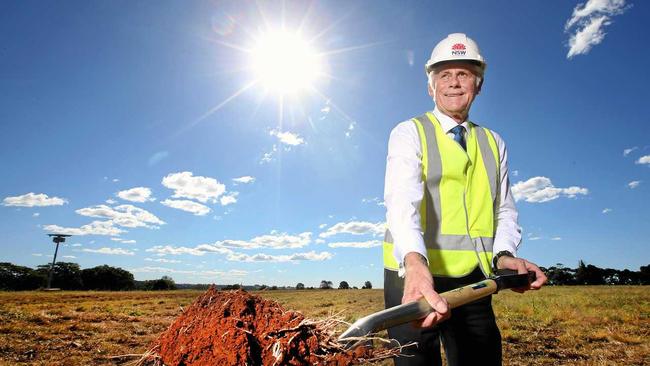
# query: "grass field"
{"points": [[555, 326]]}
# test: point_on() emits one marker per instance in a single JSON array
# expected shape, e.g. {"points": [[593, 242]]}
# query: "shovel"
{"points": [[415, 310]]}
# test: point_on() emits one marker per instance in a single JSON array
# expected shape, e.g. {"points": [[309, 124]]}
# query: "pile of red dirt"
{"points": [[237, 328]]}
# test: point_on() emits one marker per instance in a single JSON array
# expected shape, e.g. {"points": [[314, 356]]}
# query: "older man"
{"points": [[451, 216]]}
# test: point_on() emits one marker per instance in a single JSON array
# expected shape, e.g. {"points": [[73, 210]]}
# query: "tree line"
{"points": [[588, 274], [69, 276]]}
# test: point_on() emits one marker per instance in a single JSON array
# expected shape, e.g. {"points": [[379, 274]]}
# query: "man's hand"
{"points": [[419, 283], [522, 266]]}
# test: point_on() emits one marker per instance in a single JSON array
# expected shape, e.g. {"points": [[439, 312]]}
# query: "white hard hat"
{"points": [[456, 47]]}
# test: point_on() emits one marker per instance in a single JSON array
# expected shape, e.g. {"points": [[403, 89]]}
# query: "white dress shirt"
{"points": [[404, 189]]}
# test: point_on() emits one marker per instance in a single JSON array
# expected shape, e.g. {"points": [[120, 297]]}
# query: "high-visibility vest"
{"points": [[460, 200]]}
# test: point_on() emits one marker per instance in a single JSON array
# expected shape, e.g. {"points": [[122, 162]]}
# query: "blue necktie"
{"points": [[458, 135]]}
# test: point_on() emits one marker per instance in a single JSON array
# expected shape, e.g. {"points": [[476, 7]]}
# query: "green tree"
{"points": [[367, 285], [300, 286], [107, 278], [19, 278], [344, 285], [325, 284], [589, 274], [66, 275]]}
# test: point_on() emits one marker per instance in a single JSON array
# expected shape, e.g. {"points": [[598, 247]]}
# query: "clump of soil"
{"points": [[237, 328]]}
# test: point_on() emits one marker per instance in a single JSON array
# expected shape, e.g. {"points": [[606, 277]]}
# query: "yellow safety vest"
{"points": [[460, 200]]}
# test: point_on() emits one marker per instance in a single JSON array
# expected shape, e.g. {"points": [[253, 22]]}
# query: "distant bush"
{"points": [[232, 287], [164, 283]]}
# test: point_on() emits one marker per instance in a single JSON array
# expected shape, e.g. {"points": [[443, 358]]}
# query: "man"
{"points": [[450, 214]]}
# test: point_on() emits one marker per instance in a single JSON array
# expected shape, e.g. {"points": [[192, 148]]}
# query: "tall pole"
{"points": [[49, 278]]}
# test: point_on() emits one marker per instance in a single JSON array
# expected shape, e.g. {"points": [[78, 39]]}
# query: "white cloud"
{"points": [[110, 251], [244, 180], [94, 228], [111, 201], [36, 214], [229, 198], [322, 226], [592, 34], [137, 194], [355, 228], [288, 138], [69, 256], [541, 189], [375, 200], [199, 188], [363, 244], [76, 245], [120, 240], [556, 238], [319, 241], [269, 156], [272, 241], [161, 250], [122, 215], [260, 257], [162, 260], [534, 238], [32, 199], [515, 173], [644, 160], [207, 273], [351, 128], [239, 257], [326, 109], [37, 254], [589, 20], [627, 152], [594, 7], [633, 184], [115, 180], [607, 210], [189, 206], [212, 248]]}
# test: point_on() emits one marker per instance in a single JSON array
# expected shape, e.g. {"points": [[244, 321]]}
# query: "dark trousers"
{"points": [[469, 337]]}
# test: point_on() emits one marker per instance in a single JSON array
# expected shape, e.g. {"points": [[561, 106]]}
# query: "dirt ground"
{"points": [[555, 326]]}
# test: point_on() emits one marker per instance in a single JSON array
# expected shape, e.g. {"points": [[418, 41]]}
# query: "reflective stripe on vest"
{"points": [[460, 197]]}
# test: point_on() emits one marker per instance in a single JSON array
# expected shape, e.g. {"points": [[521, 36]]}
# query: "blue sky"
{"points": [[152, 133]]}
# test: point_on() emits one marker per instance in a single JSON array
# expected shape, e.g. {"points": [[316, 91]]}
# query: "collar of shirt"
{"points": [[447, 122]]}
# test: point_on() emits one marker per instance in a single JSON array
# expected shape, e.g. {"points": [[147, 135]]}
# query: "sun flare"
{"points": [[285, 63]]}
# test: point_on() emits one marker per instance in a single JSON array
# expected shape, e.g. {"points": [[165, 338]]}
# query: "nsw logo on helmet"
{"points": [[458, 49]]}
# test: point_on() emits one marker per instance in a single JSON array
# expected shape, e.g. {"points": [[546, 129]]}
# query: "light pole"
{"points": [[57, 238]]}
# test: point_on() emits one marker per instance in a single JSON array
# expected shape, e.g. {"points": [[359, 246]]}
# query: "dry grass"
{"points": [[555, 326]]}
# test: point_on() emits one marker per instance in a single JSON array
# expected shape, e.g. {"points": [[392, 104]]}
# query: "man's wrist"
{"points": [[414, 258], [503, 253]]}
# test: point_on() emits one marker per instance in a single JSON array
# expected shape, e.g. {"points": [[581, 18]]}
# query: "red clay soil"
{"points": [[237, 328]]}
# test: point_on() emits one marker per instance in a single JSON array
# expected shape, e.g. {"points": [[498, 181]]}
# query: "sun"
{"points": [[284, 63]]}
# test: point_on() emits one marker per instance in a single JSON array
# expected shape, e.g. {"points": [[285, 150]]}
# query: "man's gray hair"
{"points": [[477, 70]]}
